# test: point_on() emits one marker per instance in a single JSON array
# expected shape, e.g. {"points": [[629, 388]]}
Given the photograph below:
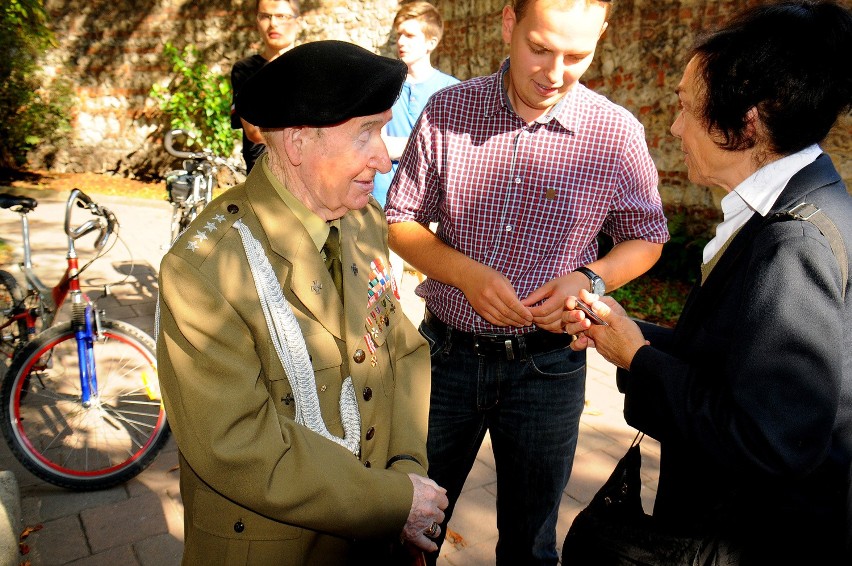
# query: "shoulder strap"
{"points": [[808, 212]]}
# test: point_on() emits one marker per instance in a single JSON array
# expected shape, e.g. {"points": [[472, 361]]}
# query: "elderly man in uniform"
{"points": [[296, 387]]}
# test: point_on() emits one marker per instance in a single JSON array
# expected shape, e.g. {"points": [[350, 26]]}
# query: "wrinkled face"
{"points": [[411, 42], [278, 25], [549, 48], [339, 163], [708, 164]]}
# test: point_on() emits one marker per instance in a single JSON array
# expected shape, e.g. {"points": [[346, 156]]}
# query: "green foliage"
{"points": [[198, 100], [682, 254], [32, 110], [653, 299]]}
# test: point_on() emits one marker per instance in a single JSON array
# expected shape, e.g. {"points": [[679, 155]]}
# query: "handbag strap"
{"points": [[808, 212], [637, 439]]}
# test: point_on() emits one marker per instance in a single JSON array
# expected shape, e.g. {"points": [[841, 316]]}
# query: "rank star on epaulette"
{"points": [[192, 245]]}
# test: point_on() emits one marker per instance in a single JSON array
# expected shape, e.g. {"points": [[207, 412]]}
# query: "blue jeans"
{"points": [[532, 408]]}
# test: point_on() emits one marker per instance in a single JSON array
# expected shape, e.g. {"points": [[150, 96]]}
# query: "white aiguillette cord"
{"points": [[293, 352]]}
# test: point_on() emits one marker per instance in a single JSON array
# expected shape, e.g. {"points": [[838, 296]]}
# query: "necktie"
{"points": [[331, 249]]}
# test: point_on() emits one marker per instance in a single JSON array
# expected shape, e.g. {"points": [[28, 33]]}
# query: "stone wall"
{"points": [[112, 50]]}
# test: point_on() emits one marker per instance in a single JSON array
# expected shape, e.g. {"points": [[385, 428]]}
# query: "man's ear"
{"points": [[509, 22], [431, 44], [294, 144]]}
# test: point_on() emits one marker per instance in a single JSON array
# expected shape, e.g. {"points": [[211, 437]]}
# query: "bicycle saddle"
{"points": [[23, 204]]}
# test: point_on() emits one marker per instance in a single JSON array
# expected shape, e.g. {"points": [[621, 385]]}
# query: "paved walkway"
{"points": [[141, 522]]}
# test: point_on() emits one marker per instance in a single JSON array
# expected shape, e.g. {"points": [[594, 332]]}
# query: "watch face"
{"points": [[598, 287]]}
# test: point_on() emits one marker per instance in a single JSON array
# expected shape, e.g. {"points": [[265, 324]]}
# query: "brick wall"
{"points": [[112, 50]]}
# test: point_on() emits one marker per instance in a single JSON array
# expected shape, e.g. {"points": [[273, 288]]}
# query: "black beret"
{"points": [[319, 84]]}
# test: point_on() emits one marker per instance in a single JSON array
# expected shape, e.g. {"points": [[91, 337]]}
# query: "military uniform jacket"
{"points": [[257, 487]]}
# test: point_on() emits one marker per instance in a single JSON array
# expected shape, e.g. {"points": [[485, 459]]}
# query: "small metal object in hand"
{"points": [[590, 314], [432, 531]]}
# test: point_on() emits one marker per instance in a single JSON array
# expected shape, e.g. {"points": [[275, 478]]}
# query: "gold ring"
{"points": [[432, 531]]}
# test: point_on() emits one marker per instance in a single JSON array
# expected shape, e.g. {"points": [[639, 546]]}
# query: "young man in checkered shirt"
{"points": [[521, 170]]}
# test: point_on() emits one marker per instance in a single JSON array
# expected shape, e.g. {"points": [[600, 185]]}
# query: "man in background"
{"points": [[521, 170], [419, 28], [278, 25]]}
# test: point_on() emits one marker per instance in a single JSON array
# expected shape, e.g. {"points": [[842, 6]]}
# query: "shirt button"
{"points": [[508, 228], [371, 433], [368, 394], [517, 180], [359, 356], [239, 527]]}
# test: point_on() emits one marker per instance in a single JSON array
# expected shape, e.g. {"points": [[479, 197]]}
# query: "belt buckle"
{"points": [[503, 339]]}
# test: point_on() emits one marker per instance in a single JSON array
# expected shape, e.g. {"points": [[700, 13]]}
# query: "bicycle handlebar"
{"points": [[168, 143], [205, 154], [82, 200]]}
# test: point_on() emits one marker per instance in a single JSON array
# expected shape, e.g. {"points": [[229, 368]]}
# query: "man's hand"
{"points": [[427, 507], [552, 314], [492, 295]]}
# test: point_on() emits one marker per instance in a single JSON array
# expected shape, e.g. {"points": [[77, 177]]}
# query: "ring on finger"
{"points": [[432, 531]]}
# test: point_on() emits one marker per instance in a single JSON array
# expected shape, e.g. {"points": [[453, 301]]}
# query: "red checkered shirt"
{"points": [[526, 200]]}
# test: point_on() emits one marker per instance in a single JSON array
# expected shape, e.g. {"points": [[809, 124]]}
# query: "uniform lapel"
{"points": [[309, 279]]}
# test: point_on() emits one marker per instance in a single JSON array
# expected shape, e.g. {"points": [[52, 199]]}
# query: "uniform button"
{"points": [[371, 433], [359, 356], [368, 394], [239, 527], [233, 209], [367, 464]]}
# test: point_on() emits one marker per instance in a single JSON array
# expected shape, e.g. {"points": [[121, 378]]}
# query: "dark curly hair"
{"points": [[790, 61]]}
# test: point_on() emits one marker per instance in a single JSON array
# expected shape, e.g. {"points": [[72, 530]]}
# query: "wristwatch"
{"points": [[597, 285]]}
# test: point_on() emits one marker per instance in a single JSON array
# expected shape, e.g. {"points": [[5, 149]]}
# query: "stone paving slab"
{"points": [[141, 522]]}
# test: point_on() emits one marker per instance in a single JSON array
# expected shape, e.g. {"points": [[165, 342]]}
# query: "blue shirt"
{"points": [[406, 110]]}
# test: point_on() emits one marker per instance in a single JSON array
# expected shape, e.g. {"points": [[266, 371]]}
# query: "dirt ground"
{"points": [[96, 183]]}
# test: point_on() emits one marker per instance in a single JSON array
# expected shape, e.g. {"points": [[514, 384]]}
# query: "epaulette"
{"points": [[208, 229]]}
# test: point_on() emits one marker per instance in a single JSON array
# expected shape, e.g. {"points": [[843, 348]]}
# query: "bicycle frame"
{"points": [[51, 298], [84, 316]]}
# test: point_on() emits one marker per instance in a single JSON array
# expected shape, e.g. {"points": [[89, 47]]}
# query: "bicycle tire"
{"points": [[82, 448], [10, 297]]}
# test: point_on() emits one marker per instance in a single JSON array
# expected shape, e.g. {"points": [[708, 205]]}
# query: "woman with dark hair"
{"points": [[750, 395]]}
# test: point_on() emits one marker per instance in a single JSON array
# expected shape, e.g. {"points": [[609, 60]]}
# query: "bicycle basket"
{"points": [[179, 185]]}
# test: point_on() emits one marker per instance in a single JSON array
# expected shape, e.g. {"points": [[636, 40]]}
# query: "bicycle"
{"points": [[80, 405], [190, 189]]}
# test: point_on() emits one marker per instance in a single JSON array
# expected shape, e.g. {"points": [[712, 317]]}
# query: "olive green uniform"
{"points": [[257, 487]]}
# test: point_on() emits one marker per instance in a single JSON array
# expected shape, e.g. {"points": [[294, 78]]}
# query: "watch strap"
{"points": [[593, 277]]}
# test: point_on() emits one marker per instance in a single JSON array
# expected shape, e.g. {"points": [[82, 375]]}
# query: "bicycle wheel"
{"points": [[60, 440], [13, 331]]}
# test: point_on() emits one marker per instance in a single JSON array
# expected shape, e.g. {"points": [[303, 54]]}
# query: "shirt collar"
{"points": [[763, 187], [563, 112], [316, 227]]}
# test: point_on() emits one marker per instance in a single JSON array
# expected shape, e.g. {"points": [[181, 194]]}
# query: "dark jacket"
{"points": [[751, 394]]}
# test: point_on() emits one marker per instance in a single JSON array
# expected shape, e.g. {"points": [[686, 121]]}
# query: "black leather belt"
{"points": [[509, 346]]}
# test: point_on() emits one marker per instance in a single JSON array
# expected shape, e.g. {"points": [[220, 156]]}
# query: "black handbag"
{"points": [[614, 530]]}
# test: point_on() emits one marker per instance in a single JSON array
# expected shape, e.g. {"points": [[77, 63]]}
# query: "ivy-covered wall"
{"points": [[112, 50]]}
